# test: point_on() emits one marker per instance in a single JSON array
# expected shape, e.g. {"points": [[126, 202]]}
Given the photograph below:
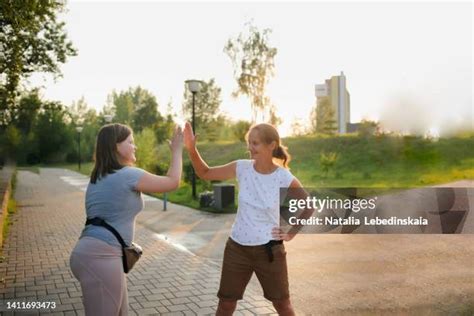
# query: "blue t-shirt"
{"points": [[114, 199]]}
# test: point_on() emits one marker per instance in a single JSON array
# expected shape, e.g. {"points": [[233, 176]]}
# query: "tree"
{"points": [[368, 128], [11, 141], [145, 109], [146, 149], [164, 128], [322, 118], [298, 127], [136, 107], [31, 40], [240, 129], [253, 60], [207, 104], [78, 111], [274, 119], [82, 115], [122, 107], [54, 136], [29, 106]]}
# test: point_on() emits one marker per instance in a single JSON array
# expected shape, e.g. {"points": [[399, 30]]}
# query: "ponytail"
{"points": [[281, 153], [268, 134]]}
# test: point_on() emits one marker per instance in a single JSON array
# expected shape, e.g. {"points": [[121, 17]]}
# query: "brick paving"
{"points": [[50, 217]]}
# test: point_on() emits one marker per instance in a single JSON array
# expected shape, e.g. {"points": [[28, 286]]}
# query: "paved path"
{"points": [[168, 279]]}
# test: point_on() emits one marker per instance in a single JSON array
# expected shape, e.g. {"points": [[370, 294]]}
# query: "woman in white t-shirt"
{"points": [[256, 240]]}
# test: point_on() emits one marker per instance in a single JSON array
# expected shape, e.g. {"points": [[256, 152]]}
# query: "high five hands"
{"points": [[176, 142], [189, 138]]}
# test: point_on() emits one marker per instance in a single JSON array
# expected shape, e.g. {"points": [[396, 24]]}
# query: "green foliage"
{"points": [[420, 151], [145, 109], [381, 160], [54, 137], [146, 149], [82, 115], [188, 176], [78, 111], [206, 107], [368, 128], [253, 60], [328, 161], [164, 128], [323, 118], [29, 105], [7, 221], [298, 128], [240, 129], [31, 40], [136, 107], [11, 140], [122, 107]]}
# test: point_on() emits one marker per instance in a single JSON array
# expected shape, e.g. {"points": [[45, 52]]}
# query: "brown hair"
{"points": [[105, 155], [268, 133]]}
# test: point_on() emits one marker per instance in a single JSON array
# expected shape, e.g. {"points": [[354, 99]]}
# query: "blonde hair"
{"points": [[268, 133]]}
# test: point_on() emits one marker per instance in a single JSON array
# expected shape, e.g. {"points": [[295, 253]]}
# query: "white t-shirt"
{"points": [[259, 203]]}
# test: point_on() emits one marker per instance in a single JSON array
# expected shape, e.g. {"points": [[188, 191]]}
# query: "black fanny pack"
{"points": [[130, 254]]}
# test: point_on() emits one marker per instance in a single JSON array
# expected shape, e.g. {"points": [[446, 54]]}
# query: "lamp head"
{"points": [[108, 118], [193, 85]]}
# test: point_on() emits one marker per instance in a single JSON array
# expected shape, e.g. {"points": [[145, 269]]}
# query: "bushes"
{"points": [[240, 129], [146, 149]]}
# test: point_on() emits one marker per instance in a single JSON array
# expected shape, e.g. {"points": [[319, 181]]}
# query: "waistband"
{"points": [[90, 246], [271, 243], [268, 247]]}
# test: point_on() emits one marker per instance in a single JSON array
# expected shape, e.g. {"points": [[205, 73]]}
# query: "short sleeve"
{"points": [[241, 164], [287, 178], [131, 176]]}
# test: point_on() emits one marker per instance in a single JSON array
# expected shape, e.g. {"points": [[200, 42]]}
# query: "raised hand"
{"points": [[176, 142], [189, 137]]}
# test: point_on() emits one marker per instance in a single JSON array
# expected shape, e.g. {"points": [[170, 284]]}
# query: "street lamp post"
{"points": [[194, 86], [79, 130], [108, 118]]}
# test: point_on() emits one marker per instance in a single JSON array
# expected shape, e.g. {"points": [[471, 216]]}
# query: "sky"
{"points": [[408, 65]]}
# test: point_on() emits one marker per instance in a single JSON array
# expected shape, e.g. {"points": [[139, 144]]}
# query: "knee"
{"points": [[226, 307], [283, 307]]}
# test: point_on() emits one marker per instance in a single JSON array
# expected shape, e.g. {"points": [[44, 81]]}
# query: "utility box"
{"points": [[224, 194]]}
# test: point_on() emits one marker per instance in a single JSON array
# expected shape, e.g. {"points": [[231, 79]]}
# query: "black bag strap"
{"points": [[96, 221], [268, 247]]}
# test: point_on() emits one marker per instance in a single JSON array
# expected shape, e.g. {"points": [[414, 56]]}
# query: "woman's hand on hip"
{"points": [[279, 234]]}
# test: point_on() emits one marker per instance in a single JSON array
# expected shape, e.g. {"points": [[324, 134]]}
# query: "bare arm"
{"points": [[203, 171], [297, 192], [150, 183]]}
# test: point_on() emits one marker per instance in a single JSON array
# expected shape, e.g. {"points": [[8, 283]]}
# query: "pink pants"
{"points": [[98, 267]]}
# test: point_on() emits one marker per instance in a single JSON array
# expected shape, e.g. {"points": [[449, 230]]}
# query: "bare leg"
{"points": [[226, 308], [283, 307]]}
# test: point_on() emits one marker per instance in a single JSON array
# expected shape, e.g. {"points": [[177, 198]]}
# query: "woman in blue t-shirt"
{"points": [[255, 243], [114, 195]]}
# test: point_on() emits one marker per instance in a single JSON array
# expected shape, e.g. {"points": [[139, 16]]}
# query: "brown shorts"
{"points": [[241, 261]]}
